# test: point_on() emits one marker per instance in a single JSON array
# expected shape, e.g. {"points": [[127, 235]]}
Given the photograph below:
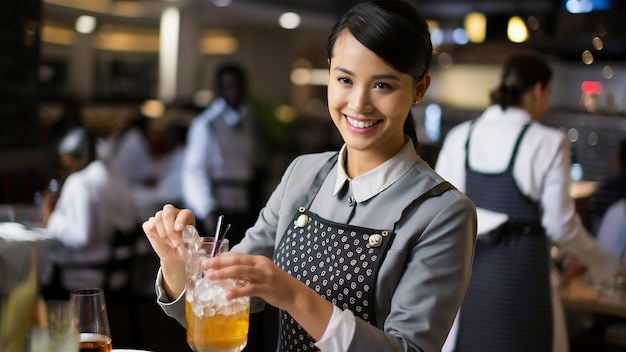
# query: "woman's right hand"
{"points": [[164, 231]]}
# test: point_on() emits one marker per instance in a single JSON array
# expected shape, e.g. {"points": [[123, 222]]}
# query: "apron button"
{"points": [[375, 240], [301, 221]]}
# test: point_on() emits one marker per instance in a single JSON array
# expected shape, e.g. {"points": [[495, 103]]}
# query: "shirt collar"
{"points": [[375, 181], [219, 108], [512, 114]]}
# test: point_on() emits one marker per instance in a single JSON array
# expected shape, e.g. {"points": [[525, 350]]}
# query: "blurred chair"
{"points": [[118, 281], [118, 278], [615, 334], [7, 213]]}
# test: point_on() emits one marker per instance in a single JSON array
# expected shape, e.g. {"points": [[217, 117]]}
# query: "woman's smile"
{"points": [[361, 124]]}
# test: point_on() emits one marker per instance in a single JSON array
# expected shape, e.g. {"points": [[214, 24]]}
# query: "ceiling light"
{"points": [[168, 54], [153, 108], [587, 57], [579, 6], [127, 9], [459, 36], [597, 43], [85, 24], [218, 42], [516, 30], [289, 20], [475, 24], [300, 76]]}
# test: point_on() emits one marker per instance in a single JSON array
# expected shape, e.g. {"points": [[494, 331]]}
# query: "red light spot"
{"points": [[591, 87]]}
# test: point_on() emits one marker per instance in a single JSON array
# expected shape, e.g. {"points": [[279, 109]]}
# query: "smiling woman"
{"points": [[365, 248]]}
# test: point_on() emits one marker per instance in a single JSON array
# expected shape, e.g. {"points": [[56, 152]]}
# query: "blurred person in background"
{"points": [[219, 169], [129, 152], [218, 165], [612, 230], [611, 190], [516, 170], [93, 202], [168, 186]]}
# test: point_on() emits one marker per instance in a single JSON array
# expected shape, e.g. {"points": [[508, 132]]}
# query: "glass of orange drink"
{"points": [[214, 324]]}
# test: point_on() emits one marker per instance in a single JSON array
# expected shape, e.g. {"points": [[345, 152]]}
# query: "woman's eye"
{"points": [[344, 80], [382, 85]]}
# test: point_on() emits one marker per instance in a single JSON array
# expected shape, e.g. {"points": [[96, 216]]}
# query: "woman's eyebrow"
{"points": [[379, 76]]}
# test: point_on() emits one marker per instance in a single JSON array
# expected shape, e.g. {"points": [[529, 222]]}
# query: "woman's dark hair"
{"points": [[520, 73], [396, 32]]}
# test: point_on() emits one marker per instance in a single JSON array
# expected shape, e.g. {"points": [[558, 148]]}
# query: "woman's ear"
{"points": [[422, 87]]}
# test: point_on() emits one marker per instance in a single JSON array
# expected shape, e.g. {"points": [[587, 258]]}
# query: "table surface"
{"points": [[581, 295]]}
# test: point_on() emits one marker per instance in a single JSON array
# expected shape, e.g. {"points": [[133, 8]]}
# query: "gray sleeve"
{"points": [[430, 278], [173, 308]]}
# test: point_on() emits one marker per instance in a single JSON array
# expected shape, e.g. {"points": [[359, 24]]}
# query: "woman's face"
{"points": [[369, 100]]}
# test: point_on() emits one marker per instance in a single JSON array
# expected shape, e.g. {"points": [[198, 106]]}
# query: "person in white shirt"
{"points": [[129, 153], [612, 230], [218, 165], [168, 186], [517, 170], [92, 204], [612, 189]]}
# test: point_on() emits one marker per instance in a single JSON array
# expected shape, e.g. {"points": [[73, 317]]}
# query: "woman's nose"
{"points": [[360, 101]]}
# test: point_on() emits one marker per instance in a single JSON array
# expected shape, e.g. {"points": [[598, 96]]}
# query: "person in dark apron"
{"points": [[517, 172], [365, 249], [508, 303]]}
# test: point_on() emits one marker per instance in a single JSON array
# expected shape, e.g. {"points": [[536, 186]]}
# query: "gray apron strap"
{"points": [[319, 179], [435, 191]]}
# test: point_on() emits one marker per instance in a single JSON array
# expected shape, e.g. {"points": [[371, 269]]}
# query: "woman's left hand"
{"points": [[275, 286], [264, 278]]}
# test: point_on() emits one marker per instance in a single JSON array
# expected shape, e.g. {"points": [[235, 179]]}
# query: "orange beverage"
{"points": [[95, 343], [219, 332]]}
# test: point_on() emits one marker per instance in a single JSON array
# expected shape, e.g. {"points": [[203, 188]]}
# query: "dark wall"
{"points": [[20, 28]]}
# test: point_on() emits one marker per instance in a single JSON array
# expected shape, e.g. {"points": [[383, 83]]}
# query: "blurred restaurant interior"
{"points": [[111, 59]]}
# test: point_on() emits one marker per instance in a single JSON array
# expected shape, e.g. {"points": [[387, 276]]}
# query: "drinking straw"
{"points": [[218, 231]]}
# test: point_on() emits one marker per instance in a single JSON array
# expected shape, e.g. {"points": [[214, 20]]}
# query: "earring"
{"points": [[416, 102]]}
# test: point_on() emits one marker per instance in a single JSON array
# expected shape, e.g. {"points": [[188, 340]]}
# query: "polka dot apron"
{"points": [[339, 261]]}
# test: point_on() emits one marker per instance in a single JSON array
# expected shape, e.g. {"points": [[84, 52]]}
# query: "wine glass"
{"points": [[93, 322], [214, 324]]}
